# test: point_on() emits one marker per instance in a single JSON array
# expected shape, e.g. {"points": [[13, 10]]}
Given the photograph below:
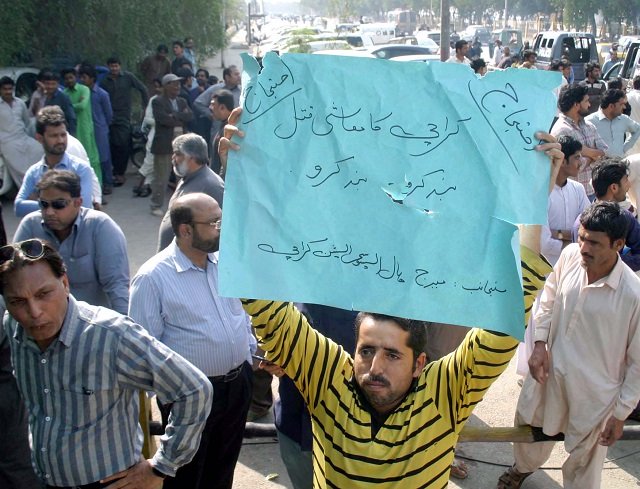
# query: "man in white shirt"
{"points": [[18, 149], [633, 99], [589, 312], [460, 56], [567, 200]]}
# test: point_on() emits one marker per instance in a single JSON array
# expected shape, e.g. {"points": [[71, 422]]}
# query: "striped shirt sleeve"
{"points": [[309, 358], [462, 378]]}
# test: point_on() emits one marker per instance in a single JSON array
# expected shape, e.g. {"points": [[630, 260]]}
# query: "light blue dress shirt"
{"points": [[95, 254], [23, 205], [180, 305], [615, 131]]}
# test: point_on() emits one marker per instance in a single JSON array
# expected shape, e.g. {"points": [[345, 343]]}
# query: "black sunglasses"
{"points": [[57, 204], [33, 249]]}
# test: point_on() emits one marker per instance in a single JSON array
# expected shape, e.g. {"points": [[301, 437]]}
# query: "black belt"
{"points": [[93, 485], [229, 376]]}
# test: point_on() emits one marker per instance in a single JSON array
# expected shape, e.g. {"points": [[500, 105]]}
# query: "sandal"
{"points": [[459, 469], [512, 479]]}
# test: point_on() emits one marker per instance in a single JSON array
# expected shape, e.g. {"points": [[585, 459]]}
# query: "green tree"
{"points": [[67, 31]]}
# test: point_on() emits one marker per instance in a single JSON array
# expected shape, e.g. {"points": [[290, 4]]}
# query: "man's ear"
{"points": [[421, 361], [185, 230], [618, 244]]}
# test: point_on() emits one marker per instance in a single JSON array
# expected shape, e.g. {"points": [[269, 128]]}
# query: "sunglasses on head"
{"points": [[33, 249], [57, 204]]}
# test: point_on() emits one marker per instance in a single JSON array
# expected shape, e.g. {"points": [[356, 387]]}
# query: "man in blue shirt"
{"points": [[90, 242], [79, 369], [51, 132], [55, 96], [102, 116]]}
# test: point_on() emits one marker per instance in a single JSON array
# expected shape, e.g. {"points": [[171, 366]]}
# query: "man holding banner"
{"points": [[384, 415]]}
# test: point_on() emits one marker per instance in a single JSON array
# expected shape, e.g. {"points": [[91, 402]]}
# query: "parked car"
{"points": [[416, 40], [479, 31], [579, 47], [509, 37], [389, 51]]}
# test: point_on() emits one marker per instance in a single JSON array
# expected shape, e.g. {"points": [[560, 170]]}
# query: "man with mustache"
{"points": [[51, 132], [90, 242], [383, 417], [589, 314]]}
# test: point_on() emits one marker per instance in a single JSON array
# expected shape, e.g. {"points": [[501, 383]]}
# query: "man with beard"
{"points": [[190, 163], [175, 296], [51, 132], [90, 242], [573, 103]]}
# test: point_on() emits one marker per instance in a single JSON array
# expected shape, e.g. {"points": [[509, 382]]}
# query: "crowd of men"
{"points": [[81, 339]]}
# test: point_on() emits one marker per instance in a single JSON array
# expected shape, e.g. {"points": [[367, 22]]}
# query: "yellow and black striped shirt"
{"points": [[415, 444]]}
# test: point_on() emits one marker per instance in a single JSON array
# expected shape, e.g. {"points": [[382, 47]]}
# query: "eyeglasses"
{"points": [[217, 224], [33, 249], [57, 204]]}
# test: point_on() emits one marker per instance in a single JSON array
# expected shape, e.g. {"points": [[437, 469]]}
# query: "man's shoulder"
{"points": [[159, 264], [78, 164], [32, 220], [94, 218], [576, 186]]}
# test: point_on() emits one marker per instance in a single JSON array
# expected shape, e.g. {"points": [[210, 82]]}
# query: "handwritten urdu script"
{"points": [[386, 186]]}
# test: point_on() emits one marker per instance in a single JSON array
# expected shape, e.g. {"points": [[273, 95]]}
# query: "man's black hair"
{"points": [[606, 172], [605, 217], [571, 95], [569, 146], [417, 330]]}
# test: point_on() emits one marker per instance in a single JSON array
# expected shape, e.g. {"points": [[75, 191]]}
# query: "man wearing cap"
{"points": [[171, 114]]}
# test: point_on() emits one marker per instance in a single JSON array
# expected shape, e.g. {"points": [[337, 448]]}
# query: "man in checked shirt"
{"points": [[79, 369], [573, 103]]}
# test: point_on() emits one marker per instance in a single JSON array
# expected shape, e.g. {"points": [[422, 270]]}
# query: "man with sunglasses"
{"points": [[79, 369], [51, 132], [175, 296], [92, 245]]}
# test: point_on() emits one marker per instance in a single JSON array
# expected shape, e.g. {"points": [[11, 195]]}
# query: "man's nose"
{"points": [[377, 364], [34, 309]]}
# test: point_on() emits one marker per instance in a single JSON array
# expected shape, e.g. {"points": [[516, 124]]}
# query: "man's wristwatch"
{"points": [[157, 473]]}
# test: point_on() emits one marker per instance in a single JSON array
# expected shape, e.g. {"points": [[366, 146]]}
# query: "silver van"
{"points": [[579, 47]]}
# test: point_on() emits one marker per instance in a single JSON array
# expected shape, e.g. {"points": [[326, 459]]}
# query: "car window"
{"points": [[25, 86]]}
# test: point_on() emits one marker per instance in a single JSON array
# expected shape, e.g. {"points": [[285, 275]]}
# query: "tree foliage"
{"points": [[66, 31]]}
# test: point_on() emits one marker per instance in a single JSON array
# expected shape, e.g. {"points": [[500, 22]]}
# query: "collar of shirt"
{"points": [[182, 261], [613, 279], [2, 101], [193, 175], [571, 122], [63, 164]]}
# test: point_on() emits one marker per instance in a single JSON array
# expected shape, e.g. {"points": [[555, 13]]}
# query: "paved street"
{"points": [[260, 457]]}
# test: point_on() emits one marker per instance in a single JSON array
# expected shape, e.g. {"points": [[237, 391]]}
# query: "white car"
{"points": [[25, 80]]}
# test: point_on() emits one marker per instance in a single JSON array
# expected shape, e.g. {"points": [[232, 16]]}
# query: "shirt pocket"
{"points": [[81, 270], [81, 406]]}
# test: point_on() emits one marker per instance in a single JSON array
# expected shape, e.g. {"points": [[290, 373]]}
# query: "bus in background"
{"points": [[405, 21]]}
